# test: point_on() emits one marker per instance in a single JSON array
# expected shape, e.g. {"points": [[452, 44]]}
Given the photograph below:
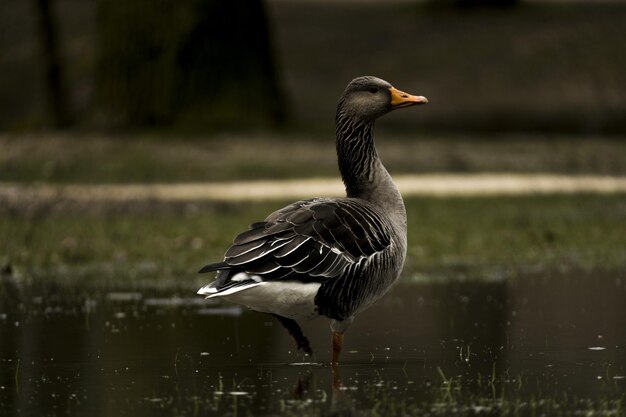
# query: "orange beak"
{"points": [[401, 99]]}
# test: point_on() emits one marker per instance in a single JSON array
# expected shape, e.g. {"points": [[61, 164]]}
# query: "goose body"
{"points": [[330, 257]]}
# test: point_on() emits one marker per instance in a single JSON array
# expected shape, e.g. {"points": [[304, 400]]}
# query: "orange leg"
{"points": [[337, 345], [337, 381]]}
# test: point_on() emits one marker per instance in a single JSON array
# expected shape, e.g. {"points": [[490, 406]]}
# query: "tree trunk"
{"points": [[195, 64], [56, 97]]}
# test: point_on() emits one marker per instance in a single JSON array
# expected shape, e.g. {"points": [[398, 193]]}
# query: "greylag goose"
{"points": [[330, 257]]}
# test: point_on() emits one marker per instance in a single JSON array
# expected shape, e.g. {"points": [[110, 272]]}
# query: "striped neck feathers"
{"points": [[361, 169]]}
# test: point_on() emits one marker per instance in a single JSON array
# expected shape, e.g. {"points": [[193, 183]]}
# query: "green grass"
{"points": [[165, 244], [550, 231], [105, 159]]}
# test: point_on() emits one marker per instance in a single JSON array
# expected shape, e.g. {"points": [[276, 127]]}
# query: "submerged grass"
{"points": [[165, 244]]}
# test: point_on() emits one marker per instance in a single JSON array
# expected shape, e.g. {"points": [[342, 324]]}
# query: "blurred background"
{"points": [[202, 66], [98, 92], [104, 104]]}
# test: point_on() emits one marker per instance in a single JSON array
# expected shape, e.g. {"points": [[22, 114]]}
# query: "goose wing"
{"points": [[309, 241]]}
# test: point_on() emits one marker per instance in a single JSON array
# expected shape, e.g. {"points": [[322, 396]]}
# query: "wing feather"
{"points": [[262, 251], [269, 265], [238, 250], [317, 240], [314, 259], [249, 236], [292, 245]]}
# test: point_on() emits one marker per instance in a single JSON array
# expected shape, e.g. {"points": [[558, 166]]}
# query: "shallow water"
{"points": [[550, 344]]}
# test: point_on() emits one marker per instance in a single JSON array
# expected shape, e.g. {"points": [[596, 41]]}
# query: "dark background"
{"points": [[205, 66]]}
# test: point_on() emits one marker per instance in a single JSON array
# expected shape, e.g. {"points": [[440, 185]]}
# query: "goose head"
{"points": [[367, 98]]}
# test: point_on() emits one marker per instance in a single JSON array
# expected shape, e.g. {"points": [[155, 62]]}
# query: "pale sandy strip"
{"points": [[411, 185]]}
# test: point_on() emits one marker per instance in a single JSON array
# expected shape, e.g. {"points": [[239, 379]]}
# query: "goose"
{"points": [[329, 257]]}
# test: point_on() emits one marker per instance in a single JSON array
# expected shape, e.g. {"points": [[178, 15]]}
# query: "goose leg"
{"points": [[337, 381], [296, 332], [337, 345], [337, 340], [338, 328]]}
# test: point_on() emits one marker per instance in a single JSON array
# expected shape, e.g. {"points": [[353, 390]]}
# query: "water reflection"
{"points": [[529, 345]]}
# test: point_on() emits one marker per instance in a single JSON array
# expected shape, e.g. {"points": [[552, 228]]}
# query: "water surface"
{"points": [[542, 343]]}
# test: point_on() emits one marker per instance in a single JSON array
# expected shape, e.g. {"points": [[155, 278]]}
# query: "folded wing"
{"points": [[308, 241]]}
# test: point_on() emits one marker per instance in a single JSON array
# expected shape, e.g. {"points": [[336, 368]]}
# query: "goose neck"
{"points": [[362, 171], [357, 156]]}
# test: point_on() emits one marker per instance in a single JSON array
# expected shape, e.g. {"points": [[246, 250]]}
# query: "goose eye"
{"points": [[373, 90]]}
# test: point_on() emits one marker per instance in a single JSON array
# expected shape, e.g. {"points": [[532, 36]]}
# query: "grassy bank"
{"points": [[164, 244], [110, 159]]}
